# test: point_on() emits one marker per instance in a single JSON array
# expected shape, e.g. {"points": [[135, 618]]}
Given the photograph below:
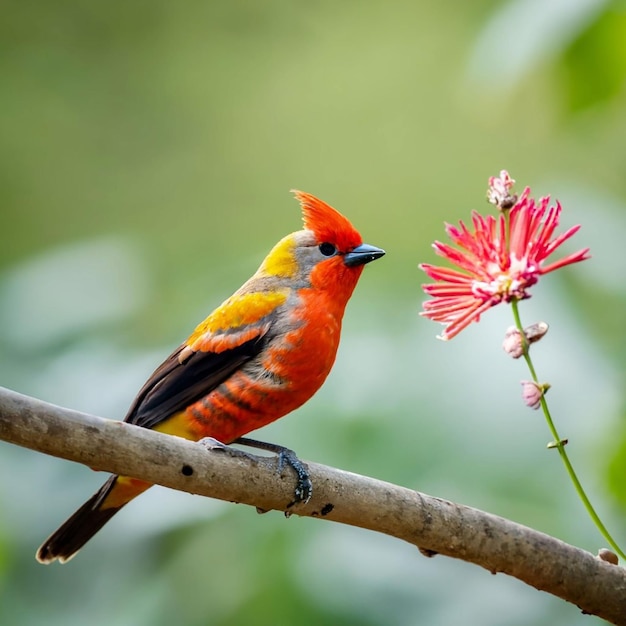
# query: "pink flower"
{"points": [[498, 260]]}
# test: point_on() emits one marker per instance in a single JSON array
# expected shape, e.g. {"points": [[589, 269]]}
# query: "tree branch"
{"points": [[432, 524]]}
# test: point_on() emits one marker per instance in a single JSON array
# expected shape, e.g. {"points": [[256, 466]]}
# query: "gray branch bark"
{"points": [[432, 524]]}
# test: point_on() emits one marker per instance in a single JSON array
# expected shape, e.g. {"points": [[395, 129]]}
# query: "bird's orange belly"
{"points": [[288, 375]]}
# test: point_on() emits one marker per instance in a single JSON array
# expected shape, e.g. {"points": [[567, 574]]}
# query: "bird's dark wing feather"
{"points": [[174, 385]]}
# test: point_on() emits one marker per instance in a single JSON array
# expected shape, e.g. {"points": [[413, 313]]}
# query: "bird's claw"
{"points": [[304, 486]]}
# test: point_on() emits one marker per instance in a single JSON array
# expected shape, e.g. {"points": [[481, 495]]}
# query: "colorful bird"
{"points": [[261, 354]]}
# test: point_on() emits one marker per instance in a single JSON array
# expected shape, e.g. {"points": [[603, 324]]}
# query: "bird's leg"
{"points": [[304, 488], [210, 443]]}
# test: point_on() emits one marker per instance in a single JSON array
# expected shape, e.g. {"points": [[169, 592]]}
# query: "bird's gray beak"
{"points": [[362, 254]]}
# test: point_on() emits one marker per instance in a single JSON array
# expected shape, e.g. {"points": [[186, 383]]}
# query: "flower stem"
{"points": [[560, 444]]}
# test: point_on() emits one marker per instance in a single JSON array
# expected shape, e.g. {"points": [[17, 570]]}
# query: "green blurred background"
{"points": [[147, 150]]}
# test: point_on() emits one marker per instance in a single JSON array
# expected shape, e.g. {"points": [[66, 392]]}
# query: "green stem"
{"points": [[560, 446]]}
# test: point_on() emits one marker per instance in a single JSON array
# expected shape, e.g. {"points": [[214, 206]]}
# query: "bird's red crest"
{"points": [[327, 223]]}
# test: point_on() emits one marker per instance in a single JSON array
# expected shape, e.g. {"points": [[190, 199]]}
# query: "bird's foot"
{"points": [[304, 486]]}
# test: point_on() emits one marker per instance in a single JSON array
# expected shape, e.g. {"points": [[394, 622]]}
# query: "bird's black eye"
{"points": [[327, 249]]}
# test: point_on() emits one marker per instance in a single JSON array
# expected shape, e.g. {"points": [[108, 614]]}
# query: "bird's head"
{"points": [[329, 254]]}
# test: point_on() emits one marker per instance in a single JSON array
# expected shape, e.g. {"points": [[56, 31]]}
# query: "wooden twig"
{"points": [[436, 526]]}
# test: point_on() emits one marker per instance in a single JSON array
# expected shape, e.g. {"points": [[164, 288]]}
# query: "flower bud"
{"points": [[557, 444], [535, 332], [532, 393], [498, 192], [512, 343]]}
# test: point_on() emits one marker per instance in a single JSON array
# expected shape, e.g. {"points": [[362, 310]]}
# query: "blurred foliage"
{"points": [[617, 468], [147, 151], [595, 63]]}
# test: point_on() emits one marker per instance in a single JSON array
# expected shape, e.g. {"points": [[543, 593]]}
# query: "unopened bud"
{"points": [[608, 556], [532, 393], [557, 444], [513, 344], [499, 189], [535, 332]]}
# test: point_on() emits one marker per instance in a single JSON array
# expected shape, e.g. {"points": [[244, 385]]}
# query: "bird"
{"points": [[257, 357]]}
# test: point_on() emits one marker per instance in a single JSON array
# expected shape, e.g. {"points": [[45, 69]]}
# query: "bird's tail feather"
{"points": [[72, 535]]}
